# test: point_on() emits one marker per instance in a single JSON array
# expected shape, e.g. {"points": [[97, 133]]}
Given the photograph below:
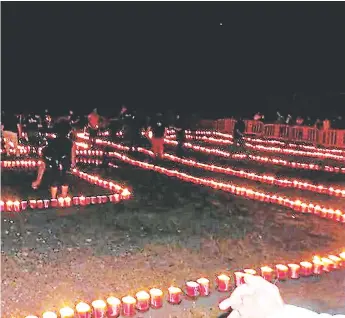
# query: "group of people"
{"points": [[59, 153]]}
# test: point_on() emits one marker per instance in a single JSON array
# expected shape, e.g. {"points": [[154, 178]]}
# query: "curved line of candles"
{"points": [[225, 281], [121, 193], [261, 140], [332, 190], [286, 151]]}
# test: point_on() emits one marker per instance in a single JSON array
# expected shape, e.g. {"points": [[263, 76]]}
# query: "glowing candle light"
{"points": [[93, 200], [61, 202], [267, 273], [75, 200], [328, 265], [342, 256], [16, 206], [250, 271], [143, 301], [24, 205], [82, 200], [9, 205], [294, 270], [83, 310], [239, 278], [174, 295], [99, 308], [128, 306], [318, 266], [49, 314], [192, 289], [2, 206], [156, 298], [40, 204], [306, 268], [204, 286], [337, 261], [223, 282], [54, 203], [282, 272], [114, 307], [68, 202], [66, 312], [31, 316]]}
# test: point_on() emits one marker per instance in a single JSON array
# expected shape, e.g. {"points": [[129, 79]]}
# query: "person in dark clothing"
{"points": [[180, 128], [58, 157], [158, 133], [10, 128], [46, 121], [239, 132], [32, 129]]}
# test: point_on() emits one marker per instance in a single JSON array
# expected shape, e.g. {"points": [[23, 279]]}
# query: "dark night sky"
{"points": [[154, 55]]}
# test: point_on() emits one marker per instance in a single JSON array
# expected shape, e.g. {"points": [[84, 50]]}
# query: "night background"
{"points": [[218, 59]]}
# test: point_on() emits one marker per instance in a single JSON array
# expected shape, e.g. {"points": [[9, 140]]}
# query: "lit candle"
{"points": [[294, 270], [2, 206], [143, 301], [87, 200], [156, 298], [46, 203], [282, 272], [49, 314], [61, 202], [68, 202], [306, 268], [267, 273], [31, 316], [337, 261], [24, 205], [16, 206], [82, 200], [114, 307], [9, 206], [239, 278], [83, 310], [93, 200], [342, 256], [174, 295], [223, 282], [204, 286], [250, 271], [128, 306], [192, 289], [75, 200], [66, 312], [318, 266], [99, 309], [328, 265]]}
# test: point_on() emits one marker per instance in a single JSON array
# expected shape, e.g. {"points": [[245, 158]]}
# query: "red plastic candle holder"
{"points": [[128, 306], [192, 289], [294, 271], [99, 309], [223, 283], [306, 268], [282, 272], [267, 273], [114, 307], [204, 286], [239, 278], [143, 301], [174, 295], [83, 310], [156, 298], [66, 312]]}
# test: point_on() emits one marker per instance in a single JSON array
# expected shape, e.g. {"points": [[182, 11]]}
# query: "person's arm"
{"points": [[40, 174]]}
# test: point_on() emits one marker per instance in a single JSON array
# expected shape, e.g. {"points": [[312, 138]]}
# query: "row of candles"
{"points": [[286, 183], [260, 159], [281, 150], [121, 193], [297, 205], [201, 132], [127, 306]]}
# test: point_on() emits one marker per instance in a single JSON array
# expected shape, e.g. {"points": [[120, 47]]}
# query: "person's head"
{"points": [[71, 112], [46, 111]]}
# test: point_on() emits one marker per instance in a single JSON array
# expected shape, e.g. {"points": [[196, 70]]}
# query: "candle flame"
{"points": [[66, 312], [142, 295], [129, 300], [82, 307], [99, 304], [113, 301], [49, 314], [156, 292]]}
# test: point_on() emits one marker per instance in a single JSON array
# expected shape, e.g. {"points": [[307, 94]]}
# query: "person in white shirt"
{"points": [[257, 298]]}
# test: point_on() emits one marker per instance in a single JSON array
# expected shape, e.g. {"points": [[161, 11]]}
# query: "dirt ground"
{"points": [[169, 232]]}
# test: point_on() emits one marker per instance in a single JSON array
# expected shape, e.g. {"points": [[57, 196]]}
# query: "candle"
{"points": [[337, 261], [342, 256], [204, 286], [318, 266], [75, 200], [24, 205], [250, 271], [53, 203], [143, 301], [156, 298], [66, 312], [306, 268], [99, 309], [9, 206], [2, 206], [223, 282], [49, 314], [282, 271], [239, 278], [128, 306], [16, 206], [82, 200], [40, 204], [87, 200], [33, 204], [114, 307], [46, 203], [31, 316], [328, 265], [174, 295], [267, 273], [294, 270], [93, 200], [192, 289], [61, 202], [83, 310], [68, 202]]}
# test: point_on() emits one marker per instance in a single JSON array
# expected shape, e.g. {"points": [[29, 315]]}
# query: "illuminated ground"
{"points": [[170, 231]]}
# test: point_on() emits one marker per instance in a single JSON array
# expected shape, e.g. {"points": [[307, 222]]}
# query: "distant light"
{"points": [[220, 23]]}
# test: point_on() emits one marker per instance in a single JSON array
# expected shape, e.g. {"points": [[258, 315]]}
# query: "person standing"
{"points": [[239, 129], [158, 133], [58, 157], [10, 128], [180, 128], [93, 125]]}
